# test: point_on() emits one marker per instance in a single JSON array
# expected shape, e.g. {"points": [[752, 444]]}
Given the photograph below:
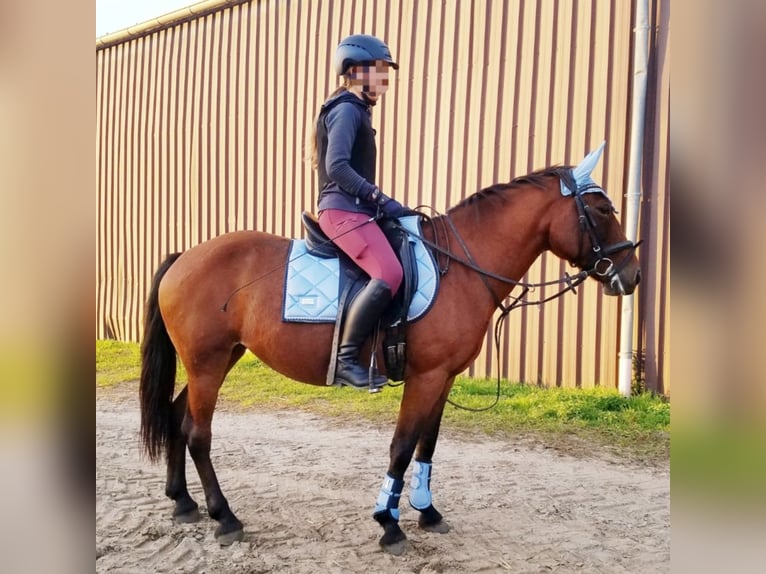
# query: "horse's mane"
{"points": [[499, 190]]}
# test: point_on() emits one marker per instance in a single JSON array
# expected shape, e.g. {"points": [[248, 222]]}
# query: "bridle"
{"points": [[604, 266]]}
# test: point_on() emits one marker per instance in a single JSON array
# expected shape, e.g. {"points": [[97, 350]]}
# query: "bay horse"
{"points": [[501, 230]]}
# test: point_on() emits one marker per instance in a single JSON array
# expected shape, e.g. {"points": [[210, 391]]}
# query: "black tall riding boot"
{"points": [[361, 319]]}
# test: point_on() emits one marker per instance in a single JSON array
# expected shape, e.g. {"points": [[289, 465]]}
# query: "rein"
{"points": [[571, 281], [518, 301], [587, 224]]}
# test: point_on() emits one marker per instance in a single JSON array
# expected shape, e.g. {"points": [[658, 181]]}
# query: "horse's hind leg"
{"points": [[186, 509], [203, 394]]}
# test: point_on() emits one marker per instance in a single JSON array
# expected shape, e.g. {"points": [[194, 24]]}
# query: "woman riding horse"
{"points": [[349, 200], [500, 232]]}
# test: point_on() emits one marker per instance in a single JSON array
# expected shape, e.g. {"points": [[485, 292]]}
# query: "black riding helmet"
{"points": [[361, 49]]}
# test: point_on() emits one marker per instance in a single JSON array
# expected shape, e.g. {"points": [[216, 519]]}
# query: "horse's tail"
{"points": [[158, 372]]}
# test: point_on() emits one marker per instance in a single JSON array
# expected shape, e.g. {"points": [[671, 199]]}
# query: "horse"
{"points": [[501, 231]]}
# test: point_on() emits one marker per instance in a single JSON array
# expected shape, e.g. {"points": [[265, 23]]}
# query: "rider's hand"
{"points": [[387, 205]]}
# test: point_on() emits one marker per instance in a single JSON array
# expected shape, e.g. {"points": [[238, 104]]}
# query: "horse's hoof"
{"points": [[393, 540], [396, 549], [431, 521], [229, 538], [440, 527], [229, 531], [186, 513], [187, 517]]}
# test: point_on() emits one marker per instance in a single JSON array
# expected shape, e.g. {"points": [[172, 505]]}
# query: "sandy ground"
{"points": [[304, 487]]}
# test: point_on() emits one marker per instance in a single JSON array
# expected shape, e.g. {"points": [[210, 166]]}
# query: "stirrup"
{"points": [[377, 384], [373, 381]]}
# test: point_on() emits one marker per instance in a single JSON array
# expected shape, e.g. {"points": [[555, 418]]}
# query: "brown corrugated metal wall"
{"points": [[202, 127]]}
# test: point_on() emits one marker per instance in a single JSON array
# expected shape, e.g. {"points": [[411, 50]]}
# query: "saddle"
{"points": [[352, 279]]}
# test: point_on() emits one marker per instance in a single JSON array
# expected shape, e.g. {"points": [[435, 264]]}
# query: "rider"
{"points": [[349, 200]]}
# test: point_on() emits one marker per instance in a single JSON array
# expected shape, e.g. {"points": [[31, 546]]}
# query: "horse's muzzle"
{"points": [[617, 285]]}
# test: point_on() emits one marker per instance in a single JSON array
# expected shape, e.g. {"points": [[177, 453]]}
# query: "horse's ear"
{"points": [[585, 167]]}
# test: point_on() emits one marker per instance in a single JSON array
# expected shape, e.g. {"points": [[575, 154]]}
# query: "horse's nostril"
{"points": [[638, 276]]}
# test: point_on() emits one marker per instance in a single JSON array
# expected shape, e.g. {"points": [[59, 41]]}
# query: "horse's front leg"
{"points": [[423, 400], [420, 483]]}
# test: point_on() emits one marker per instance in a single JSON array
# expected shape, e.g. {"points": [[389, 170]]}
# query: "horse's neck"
{"points": [[504, 235]]}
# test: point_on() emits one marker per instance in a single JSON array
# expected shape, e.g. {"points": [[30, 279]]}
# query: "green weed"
{"points": [[638, 425]]}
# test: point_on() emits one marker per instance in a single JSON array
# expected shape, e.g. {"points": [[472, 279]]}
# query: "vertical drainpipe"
{"points": [[633, 196]]}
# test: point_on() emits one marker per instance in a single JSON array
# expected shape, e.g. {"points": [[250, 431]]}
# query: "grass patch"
{"points": [[637, 426], [117, 362]]}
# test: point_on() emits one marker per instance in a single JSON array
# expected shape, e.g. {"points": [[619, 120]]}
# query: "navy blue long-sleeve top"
{"points": [[347, 154]]}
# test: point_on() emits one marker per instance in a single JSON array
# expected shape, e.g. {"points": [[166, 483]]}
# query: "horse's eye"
{"points": [[604, 210]]}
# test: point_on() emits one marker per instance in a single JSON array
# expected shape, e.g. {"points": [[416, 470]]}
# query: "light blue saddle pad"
{"points": [[312, 283]]}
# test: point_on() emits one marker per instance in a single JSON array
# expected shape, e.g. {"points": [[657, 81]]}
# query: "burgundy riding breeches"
{"points": [[364, 242]]}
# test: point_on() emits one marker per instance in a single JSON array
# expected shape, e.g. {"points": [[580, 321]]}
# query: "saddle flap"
{"points": [[426, 279]]}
